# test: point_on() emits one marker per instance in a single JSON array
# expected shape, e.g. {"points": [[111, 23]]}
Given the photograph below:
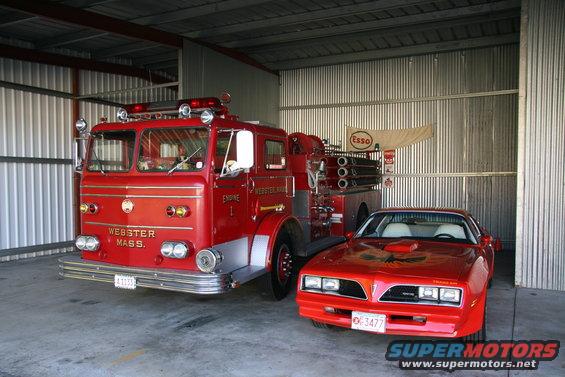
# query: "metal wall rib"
{"points": [[471, 134], [540, 256]]}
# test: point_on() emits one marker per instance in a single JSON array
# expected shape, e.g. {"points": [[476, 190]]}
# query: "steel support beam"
{"points": [[323, 14], [487, 10], [428, 48], [26, 54], [123, 49]]}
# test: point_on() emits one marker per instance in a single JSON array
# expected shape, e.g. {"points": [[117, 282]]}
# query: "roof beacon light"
{"points": [[184, 110], [207, 117], [122, 114]]}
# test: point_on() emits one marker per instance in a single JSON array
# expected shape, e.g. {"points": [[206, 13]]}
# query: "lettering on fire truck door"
{"points": [[230, 194]]}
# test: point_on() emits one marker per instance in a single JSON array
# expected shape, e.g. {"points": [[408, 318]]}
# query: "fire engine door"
{"points": [[230, 194]]}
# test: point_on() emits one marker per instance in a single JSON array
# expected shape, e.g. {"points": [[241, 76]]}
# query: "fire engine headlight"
{"points": [[180, 250], [312, 282], [208, 260], [450, 295], [428, 293], [80, 242], [329, 284], [167, 249], [184, 110], [92, 243], [81, 125], [122, 114], [207, 117]]}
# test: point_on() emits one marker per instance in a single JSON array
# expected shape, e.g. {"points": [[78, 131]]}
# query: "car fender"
{"points": [[266, 236]]}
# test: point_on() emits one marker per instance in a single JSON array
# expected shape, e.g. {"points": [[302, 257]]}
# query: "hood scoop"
{"points": [[404, 246]]}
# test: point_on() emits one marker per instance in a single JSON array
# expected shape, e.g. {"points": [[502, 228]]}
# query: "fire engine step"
{"points": [[322, 244]]}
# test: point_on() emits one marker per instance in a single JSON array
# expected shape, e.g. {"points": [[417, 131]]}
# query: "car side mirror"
{"points": [[245, 149], [497, 245], [349, 235], [486, 240]]}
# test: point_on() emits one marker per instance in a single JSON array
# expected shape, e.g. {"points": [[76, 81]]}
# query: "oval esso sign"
{"points": [[361, 140]]}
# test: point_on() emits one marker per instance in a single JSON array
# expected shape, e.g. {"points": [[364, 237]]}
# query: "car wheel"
{"points": [[481, 335], [278, 282]]}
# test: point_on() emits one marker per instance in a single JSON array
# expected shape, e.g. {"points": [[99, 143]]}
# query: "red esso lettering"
{"points": [[361, 140]]}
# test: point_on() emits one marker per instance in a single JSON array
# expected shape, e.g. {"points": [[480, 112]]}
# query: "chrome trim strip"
{"points": [[143, 187], [426, 302], [165, 279], [140, 226], [330, 293], [145, 196]]}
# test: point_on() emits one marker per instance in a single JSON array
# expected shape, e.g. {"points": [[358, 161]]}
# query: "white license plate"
{"points": [[124, 281], [368, 322]]}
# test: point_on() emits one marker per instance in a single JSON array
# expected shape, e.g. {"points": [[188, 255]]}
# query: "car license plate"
{"points": [[124, 281], [368, 322]]}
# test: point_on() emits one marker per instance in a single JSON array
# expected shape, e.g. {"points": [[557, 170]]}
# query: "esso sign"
{"points": [[361, 140]]}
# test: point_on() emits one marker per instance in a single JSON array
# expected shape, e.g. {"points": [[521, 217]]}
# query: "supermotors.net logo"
{"points": [[493, 355]]}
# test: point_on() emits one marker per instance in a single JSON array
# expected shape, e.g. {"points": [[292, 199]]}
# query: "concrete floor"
{"points": [[52, 327]]}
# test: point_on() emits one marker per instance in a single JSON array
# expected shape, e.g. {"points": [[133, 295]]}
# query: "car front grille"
{"points": [[401, 293]]}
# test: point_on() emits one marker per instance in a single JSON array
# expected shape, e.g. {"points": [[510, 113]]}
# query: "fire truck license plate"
{"points": [[368, 322], [124, 281]]}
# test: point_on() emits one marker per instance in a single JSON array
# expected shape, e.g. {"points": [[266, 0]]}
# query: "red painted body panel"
{"points": [[430, 263]]}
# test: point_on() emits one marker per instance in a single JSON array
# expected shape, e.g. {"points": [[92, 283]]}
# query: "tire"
{"points": [[278, 282], [362, 214], [481, 335]]}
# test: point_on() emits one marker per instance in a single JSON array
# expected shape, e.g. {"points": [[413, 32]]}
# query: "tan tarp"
{"points": [[359, 139]]}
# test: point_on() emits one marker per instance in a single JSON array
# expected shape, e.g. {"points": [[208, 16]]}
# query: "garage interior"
{"points": [[489, 75]]}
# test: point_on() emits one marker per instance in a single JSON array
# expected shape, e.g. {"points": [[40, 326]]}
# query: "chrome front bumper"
{"points": [[171, 280]]}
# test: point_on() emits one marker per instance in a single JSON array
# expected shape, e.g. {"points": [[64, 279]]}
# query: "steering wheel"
{"points": [[444, 235]]}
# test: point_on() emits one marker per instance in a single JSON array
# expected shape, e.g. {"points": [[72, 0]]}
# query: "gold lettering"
{"points": [[143, 234], [151, 234], [139, 244]]}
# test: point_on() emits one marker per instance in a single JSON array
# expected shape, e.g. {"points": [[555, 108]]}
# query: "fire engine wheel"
{"points": [[481, 335], [279, 281]]}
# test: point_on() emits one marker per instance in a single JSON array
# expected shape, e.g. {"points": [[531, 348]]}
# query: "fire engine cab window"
{"points": [[111, 151], [274, 155], [162, 149]]}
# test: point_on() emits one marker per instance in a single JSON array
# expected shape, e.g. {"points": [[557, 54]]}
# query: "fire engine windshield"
{"points": [[181, 149], [111, 151]]}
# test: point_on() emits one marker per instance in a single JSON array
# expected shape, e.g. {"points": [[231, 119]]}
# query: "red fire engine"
{"points": [[182, 196]]}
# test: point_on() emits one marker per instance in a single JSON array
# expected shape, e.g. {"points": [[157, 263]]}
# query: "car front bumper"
{"points": [[402, 318], [172, 280]]}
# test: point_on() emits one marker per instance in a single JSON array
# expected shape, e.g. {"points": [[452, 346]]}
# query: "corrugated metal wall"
{"points": [[472, 135], [36, 195], [540, 255], [207, 73]]}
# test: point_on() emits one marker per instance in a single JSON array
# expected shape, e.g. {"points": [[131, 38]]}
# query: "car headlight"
{"points": [[329, 284], [167, 249], [450, 295], [180, 250], [312, 282], [428, 293], [208, 260]]}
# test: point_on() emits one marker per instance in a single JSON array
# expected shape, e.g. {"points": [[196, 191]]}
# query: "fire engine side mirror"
{"points": [[79, 154], [245, 149]]}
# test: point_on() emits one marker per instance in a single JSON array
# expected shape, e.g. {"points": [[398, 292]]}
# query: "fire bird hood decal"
{"points": [[367, 257]]}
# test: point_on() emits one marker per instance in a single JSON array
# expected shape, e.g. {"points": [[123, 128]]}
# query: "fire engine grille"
{"points": [[401, 293]]}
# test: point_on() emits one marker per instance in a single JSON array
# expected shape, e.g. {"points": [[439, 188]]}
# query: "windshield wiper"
{"points": [[183, 161], [98, 161]]}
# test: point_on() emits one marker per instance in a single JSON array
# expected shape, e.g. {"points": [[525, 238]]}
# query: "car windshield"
{"points": [[111, 151], [173, 149], [433, 226]]}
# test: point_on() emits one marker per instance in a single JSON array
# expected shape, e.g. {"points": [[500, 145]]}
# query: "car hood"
{"points": [[440, 260]]}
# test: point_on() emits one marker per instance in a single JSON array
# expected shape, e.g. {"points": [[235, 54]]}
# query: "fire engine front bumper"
{"points": [[172, 280]]}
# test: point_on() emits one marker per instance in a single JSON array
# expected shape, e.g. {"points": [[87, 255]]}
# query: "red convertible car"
{"points": [[422, 272]]}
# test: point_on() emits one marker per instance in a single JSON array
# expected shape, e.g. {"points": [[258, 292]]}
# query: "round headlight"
{"points": [[81, 125], [92, 244], [180, 250], [207, 117], [80, 242], [208, 259], [122, 114], [167, 249], [184, 110], [84, 207]]}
